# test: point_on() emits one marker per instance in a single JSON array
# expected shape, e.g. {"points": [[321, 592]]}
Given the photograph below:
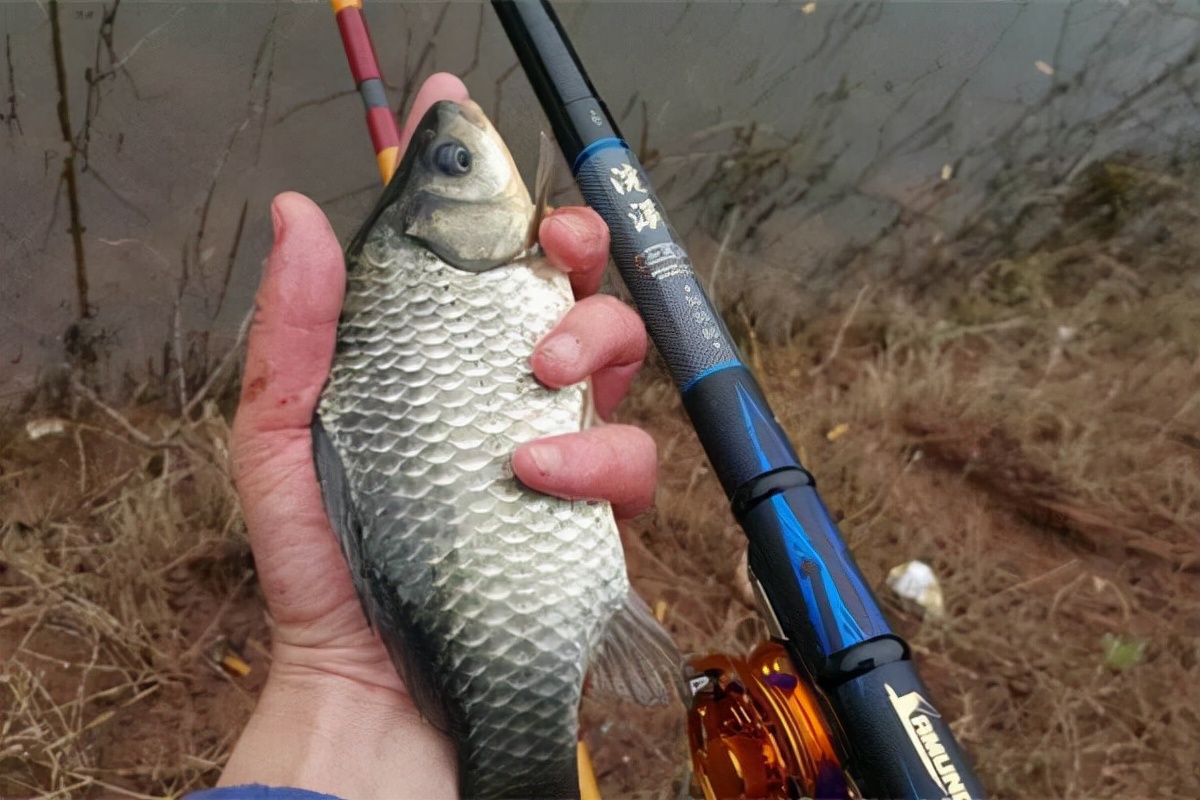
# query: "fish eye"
{"points": [[453, 159]]}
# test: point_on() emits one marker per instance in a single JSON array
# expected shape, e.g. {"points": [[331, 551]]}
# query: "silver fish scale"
{"points": [[429, 394]]}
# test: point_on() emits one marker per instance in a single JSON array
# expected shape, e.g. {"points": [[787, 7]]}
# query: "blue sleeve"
{"points": [[257, 792]]}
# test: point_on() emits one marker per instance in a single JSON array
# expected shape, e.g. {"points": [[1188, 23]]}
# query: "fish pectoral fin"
{"points": [[636, 659], [543, 182], [412, 654], [339, 507]]}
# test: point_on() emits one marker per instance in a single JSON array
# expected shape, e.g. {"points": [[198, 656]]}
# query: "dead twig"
{"points": [[196, 645], [841, 333], [230, 355], [119, 418], [716, 268], [68, 169]]}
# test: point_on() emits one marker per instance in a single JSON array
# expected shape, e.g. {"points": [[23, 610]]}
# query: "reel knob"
{"points": [[757, 731]]}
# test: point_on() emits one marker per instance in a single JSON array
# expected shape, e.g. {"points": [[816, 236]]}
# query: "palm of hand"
{"points": [[327, 661]]}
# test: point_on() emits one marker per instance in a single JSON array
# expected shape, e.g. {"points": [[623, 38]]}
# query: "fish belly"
{"points": [[489, 596]]}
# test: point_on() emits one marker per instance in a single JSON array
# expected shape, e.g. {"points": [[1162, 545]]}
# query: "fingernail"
{"points": [[563, 349], [569, 225], [277, 221], [545, 457], [279, 225]]}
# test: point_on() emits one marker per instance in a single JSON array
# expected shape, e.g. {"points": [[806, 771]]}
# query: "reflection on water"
{"points": [[816, 145]]}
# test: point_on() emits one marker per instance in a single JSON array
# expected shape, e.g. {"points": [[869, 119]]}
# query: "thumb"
{"points": [[295, 322], [287, 361]]}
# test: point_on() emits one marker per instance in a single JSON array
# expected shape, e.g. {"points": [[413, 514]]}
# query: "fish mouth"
{"points": [[472, 112]]}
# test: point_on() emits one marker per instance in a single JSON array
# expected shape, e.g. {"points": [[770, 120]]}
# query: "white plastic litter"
{"points": [[915, 581], [37, 428]]}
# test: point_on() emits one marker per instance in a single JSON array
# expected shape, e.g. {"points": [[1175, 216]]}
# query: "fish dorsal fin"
{"points": [[636, 659], [588, 418], [542, 184]]}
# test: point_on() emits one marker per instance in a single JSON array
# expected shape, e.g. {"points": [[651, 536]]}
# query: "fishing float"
{"points": [[364, 67]]}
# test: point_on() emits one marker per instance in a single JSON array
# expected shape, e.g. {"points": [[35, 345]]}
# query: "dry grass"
{"points": [[1033, 436], [120, 566], [1060, 517]]}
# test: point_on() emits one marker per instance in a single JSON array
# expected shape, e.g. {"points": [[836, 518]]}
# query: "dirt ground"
{"points": [[1032, 432]]}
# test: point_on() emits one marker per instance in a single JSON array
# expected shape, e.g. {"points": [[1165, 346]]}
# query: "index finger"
{"points": [[575, 239]]}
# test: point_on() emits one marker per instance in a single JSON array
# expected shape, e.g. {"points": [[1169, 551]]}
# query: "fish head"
{"points": [[457, 191]]}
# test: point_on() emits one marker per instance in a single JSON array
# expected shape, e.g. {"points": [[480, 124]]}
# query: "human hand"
{"points": [[334, 716]]}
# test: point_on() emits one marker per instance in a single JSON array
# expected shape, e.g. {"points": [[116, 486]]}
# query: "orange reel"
{"points": [[757, 731]]}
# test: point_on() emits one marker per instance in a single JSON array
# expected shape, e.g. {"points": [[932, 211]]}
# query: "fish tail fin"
{"points": [[636, 660]]}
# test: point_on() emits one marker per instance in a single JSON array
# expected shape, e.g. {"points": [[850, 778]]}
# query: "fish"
{"points": [[496, 603]]}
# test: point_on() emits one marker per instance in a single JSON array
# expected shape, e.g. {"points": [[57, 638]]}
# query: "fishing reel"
{"points": [[757, 730]]}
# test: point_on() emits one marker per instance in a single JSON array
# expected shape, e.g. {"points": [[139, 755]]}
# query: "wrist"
{"points": [[331, 733]]}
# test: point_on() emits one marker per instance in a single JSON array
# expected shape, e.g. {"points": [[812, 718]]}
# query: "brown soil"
{"points": [[1033, 436], [124, 579]]}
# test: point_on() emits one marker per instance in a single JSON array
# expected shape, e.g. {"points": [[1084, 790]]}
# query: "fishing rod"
{"points": [[811, 590]]}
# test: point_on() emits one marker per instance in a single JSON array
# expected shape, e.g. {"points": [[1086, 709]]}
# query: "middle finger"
{"points": [[599, 337]]}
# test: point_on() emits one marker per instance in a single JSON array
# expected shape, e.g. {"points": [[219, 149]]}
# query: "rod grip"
{"points": [[821, 600]]}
